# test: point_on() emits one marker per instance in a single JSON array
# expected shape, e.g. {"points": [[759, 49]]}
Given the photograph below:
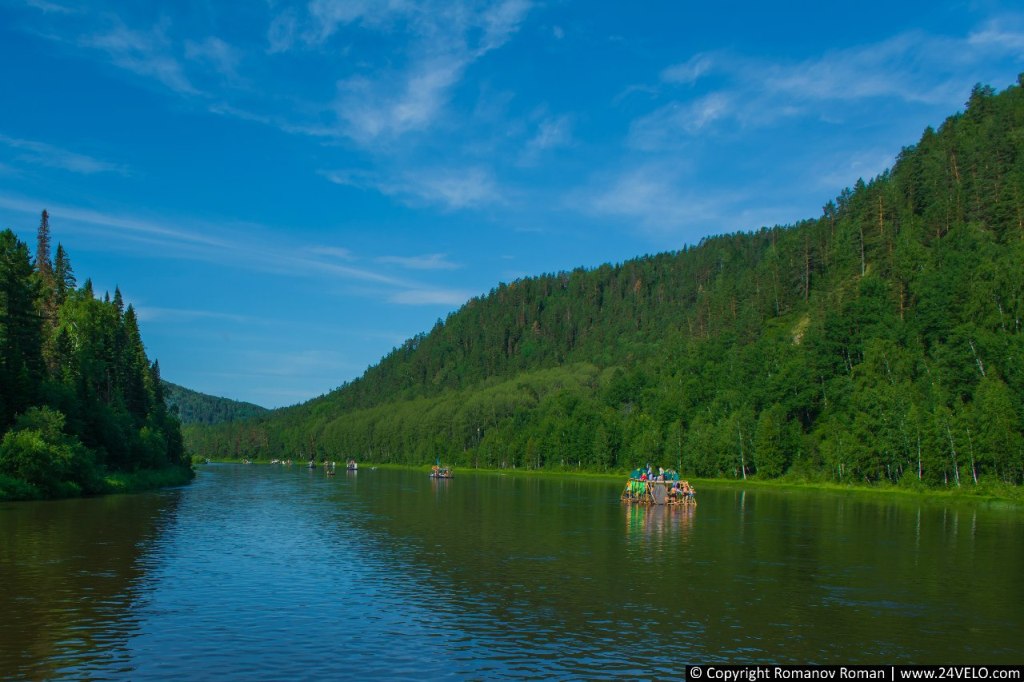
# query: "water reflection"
{"points": [[440, 485], [71, 572], [647, 522]]}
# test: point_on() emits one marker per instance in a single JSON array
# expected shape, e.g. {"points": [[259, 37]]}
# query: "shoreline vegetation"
{"points": [[982, 492], [113, 483]]}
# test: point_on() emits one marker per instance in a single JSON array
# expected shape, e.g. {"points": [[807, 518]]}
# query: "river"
{"points": [[268, 572]]}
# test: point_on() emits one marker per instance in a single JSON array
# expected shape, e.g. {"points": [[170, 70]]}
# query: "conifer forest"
{"points": [[79, 399]]}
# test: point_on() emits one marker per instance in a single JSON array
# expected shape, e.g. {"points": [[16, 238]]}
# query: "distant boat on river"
{"points": [[441, 472]]}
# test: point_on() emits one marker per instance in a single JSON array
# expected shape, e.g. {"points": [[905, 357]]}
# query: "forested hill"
{"points": [[882, 340], [79, 400], [193, 407]]}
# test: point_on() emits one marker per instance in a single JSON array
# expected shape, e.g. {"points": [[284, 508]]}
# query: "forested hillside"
{"points": [[880, 341], [193, 407], [79, 399]]}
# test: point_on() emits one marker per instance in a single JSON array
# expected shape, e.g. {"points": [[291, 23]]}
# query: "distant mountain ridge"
{"points": [[193, 407], [880, 341]]}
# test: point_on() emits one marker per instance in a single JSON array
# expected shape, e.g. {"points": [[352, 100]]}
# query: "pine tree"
{"points": [[64, 276], [47, 296], [43, 264]]}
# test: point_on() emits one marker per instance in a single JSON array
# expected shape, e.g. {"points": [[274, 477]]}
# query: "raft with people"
{"points": [[438, 471], [645, 486]]}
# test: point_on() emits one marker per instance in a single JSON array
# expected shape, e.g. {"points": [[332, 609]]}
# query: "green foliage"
{"points": [[78, 396], [38, 452], [881, 343], [773, 445], [198, 408]]}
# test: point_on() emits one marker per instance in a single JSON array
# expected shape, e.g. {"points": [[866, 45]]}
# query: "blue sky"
{"points": [[286, 191]]}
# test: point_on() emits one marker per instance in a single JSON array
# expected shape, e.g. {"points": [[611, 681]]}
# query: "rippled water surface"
{"points": [[265, 572]]}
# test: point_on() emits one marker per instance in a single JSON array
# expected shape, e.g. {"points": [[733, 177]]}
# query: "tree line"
{"points": [[79, 399], [192, 407], [881, 341]]}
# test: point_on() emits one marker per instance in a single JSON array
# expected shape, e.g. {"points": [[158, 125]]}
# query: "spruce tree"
{"points": [[43, 264], [64, 276]]}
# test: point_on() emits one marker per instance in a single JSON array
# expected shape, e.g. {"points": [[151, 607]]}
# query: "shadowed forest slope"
{"points": [[193, 407]]}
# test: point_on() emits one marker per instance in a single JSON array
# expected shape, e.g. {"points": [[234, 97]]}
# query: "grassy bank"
{"points": [[983, 491], [13, 489]]}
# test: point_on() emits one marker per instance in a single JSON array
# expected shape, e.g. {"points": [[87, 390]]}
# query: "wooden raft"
{"points": [[654, 492]]}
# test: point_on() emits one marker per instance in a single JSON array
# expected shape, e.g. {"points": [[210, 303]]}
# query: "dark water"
{"points": [[263, 572]]}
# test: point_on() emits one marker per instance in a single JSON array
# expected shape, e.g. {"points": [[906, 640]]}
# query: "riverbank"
{"points": [[984, 491], [13, 489]]}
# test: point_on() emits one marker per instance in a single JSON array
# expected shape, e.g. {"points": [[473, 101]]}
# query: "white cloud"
{"points": [[997, 35], [370, 109], [914, 67], [216, 53], [891, 68], [432, 261], [333, 252], [551, 133], [689, 71], [50, 7], [327, 15], [150, 313], [119, 224], [667, 209], [653, 198], [146, 53], [842, 169], [668, 126], [250, 246], [456, 189], [500, 22], [42, 154], [452, 188], [384, 103], [281, 34], [448, 297]]}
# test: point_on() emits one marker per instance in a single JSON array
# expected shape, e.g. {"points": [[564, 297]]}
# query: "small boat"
{"points": [[441, 472], [352, 465]]}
